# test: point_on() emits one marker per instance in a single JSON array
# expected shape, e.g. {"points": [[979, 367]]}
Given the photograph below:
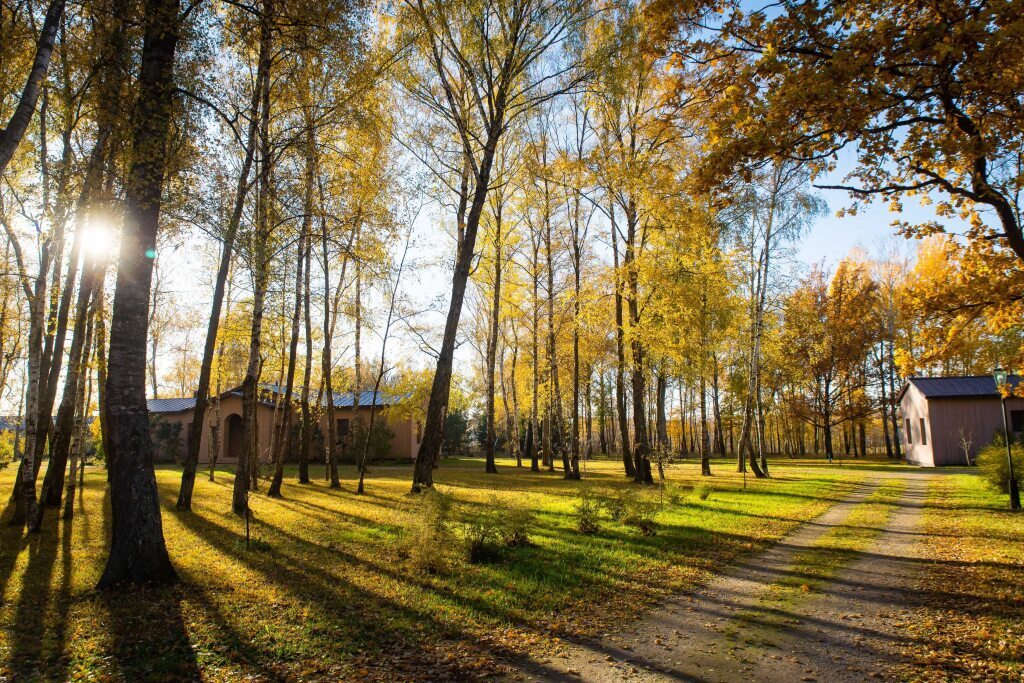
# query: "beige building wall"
{"points": [[404, 444]]}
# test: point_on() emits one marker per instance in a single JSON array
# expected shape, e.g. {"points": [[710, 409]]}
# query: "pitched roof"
{"points": [[974, 386], [170, 405], [346, 399], [11, 422], [366, 398]]}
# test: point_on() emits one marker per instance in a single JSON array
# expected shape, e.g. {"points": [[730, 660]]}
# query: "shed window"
{"points": [[908, 435], [924, 433], [1017, 420]]}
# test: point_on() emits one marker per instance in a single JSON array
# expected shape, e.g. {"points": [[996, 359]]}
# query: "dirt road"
{"points": [[846, 628]]}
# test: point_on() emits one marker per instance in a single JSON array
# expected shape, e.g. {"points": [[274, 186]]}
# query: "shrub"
{"points": [[588, 511], [674, 494], [427, 542], [641, 513], [617, 505], [6, 448], [992, 464], [380, 439], [500, 524], [702, 490], [167, 438], [481, 535], [516, 525]]}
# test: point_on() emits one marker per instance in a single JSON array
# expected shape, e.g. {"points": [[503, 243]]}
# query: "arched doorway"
{"points": [[233, 429]]}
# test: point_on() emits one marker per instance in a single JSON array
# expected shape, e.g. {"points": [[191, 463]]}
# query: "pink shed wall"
{"points": [[944, 417], [913, 407]]}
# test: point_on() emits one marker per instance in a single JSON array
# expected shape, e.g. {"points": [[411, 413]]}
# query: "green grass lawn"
{"points": [[971, 622], [325, 591]]}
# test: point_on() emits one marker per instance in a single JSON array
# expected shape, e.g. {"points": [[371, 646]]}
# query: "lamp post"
{"points": [[1001, 377]]}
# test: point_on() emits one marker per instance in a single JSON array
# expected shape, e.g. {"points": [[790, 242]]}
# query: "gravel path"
{"points": [[846, 631]]}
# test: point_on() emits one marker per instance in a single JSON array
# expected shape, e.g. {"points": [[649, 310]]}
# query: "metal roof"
{"points": [[366, 398], [975, 386], [346, 399], [11, 422], [341, 400], [170, 405]]}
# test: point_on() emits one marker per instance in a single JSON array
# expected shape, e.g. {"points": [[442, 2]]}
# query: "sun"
{"points": [[98, 238]]}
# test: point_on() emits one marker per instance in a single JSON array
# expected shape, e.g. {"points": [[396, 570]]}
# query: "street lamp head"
{"points": [[1000, 376]]}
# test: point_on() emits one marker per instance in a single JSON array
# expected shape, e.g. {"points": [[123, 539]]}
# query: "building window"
{"points": [[1017, 420], [908, 436], [342, 429], [924, 434]]}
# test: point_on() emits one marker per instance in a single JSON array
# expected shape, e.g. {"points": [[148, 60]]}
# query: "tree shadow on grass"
{"points": [[28, 629], [349, 627], [149, 641]]}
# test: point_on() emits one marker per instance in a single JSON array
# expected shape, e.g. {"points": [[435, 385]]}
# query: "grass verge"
{"points": [[970, 625], [324, 593]]}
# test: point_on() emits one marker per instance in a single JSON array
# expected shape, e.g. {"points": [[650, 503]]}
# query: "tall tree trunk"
{"points": [[898, 447], [642, 448], [661, 417], [557, 424], [14, 131], [575, 436], [53, 482], [284, 443], [885, 407], [24, 494], [137, 552], [682, 419], [602, 442], [307, 419], [330, 317], [515, 404], [216, 435], [84, 397], [705, 440], [531, 432], [307, 220], [250, 453], [433, 432], [357, 389], [620, 357], [719, 436], [188, 474], [492, 344]]}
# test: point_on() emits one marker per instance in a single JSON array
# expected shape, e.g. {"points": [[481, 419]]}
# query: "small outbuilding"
{"points": [[946, 419]]}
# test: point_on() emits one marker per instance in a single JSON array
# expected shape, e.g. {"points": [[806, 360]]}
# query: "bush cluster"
{"points": [[992, 464], [588, 513], [502, 524], [6, 448], [627, 507], [427, 542]]}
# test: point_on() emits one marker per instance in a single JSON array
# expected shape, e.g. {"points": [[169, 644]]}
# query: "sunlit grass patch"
{"points": [[970, 624], [325, 589]]}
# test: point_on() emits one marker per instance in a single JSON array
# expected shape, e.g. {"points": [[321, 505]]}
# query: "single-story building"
{"points": [[171, 420], [945, 418]]}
